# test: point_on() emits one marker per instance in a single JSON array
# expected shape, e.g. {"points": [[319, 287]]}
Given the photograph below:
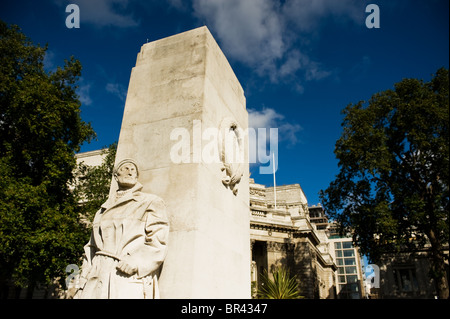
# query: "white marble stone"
{"points": [[176, 81]]}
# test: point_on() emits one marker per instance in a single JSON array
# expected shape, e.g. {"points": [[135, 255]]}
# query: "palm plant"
{"points": [[283, 286]]}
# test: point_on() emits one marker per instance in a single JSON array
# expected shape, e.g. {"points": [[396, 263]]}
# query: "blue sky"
{"points": [[300, 62]]}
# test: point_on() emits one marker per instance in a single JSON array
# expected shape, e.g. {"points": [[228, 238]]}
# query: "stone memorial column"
{"points": [[184, 108]]}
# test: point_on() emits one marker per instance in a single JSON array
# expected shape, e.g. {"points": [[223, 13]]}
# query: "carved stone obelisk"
{"points": [[184, 107]]}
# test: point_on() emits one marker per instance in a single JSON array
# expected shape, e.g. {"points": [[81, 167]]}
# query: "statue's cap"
{"points": [[125, 161]]}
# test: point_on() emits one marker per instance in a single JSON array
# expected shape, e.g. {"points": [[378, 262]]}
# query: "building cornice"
{"points": [[91, 153]]}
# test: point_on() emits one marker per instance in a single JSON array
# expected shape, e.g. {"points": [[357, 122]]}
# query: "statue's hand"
{"points": [[71, 292], [126, 268]]}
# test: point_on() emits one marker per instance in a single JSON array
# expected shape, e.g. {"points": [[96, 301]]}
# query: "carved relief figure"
{"points": [[231, 148], [128, 242]]}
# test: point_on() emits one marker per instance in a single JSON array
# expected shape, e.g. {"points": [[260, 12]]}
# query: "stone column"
{"points": [[181, 91]]}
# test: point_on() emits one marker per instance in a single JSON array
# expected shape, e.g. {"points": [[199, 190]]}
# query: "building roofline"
{"points": [[90, 153]]}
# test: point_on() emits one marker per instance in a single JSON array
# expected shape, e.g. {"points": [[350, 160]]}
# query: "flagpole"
{"points": [[274, 183]]}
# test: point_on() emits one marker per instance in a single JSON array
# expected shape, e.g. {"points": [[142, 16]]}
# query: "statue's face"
{"points": [[126, 175]]}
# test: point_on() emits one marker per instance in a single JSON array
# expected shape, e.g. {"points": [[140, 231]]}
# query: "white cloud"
{"points": [[297, 62], [265, 118], [361, 68], [83, 92], [269, 118], [262, 33], [103, 13], [263, 143], [178, 4], [315, 71], [118, 90], [306, 15], [292, 63], [49, 60], [249, 30]]}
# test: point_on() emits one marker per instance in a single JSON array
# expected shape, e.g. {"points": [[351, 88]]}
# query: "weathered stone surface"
{"points": [[128, 242], [177, 81]]}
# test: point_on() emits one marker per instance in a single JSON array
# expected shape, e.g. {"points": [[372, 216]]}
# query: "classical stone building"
{"points": [[92, 158], [405, 275], [285, 235]]}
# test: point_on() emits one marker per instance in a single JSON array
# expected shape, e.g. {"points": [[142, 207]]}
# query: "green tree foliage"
{"points": [[283, 286], [392, 188], [93, 183], [40, 131]]}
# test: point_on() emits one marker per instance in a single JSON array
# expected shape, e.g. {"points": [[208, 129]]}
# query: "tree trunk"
{"points": [[30, 290], [4, 288], [438, 271], [440, 279]]}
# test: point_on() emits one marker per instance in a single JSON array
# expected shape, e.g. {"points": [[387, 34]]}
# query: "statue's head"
{"points": [[126, 173]]}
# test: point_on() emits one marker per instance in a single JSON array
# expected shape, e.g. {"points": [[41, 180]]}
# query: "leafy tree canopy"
{"points": [[40, 131], [93, 183], [392, 188]]}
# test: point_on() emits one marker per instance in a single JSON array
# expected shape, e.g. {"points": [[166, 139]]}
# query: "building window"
{"points": [[351, 279], [350, 270], [347, 279], [405, 279], [349, 291], [347, 245], [349, 253], [350, 261]]}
